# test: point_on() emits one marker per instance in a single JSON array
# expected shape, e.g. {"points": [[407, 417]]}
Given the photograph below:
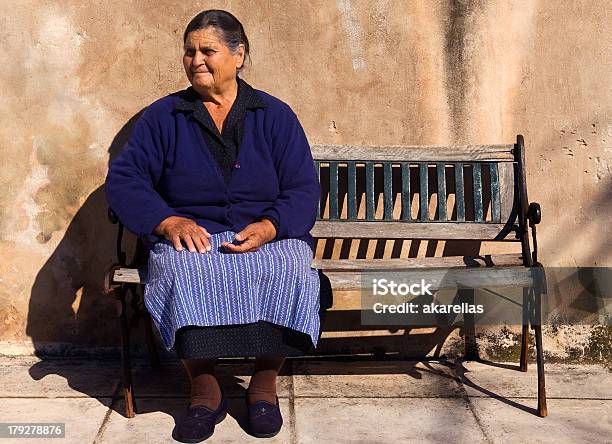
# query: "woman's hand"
{"points": [[252, 237], [176, 228]]}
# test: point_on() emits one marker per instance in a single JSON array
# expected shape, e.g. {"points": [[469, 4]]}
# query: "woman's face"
{"points": [[209, 63]]}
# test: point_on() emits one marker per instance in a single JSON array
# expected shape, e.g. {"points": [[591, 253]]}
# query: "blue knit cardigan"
{"points": [[166, 169]]}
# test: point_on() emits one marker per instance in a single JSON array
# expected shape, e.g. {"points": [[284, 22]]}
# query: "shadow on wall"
{"points": [[67, 307]]}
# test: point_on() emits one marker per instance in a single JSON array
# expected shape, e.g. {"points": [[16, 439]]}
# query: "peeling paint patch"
{"points": [[36, 180], [604, 170], [561, 343], [353, 32]]}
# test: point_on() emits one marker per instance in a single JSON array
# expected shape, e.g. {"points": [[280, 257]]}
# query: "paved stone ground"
{"points": [[338, 401]]}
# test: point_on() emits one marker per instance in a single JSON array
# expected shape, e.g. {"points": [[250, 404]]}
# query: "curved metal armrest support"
{"points": [[534, 216], [114, 219]]}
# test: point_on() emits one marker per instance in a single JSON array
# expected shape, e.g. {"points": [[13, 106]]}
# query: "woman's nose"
{"points": [[199, 58]]}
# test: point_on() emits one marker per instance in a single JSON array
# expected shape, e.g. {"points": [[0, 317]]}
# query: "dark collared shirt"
{"points": [[223, 146], [170, 167]]}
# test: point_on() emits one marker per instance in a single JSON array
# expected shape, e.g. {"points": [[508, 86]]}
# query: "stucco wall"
{"points": [[74, 74]]}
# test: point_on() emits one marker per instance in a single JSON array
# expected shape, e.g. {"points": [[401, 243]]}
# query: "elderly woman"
{"points": [[219, 178]]}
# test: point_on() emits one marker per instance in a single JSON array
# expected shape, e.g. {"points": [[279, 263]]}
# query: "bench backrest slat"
{"points": [[423, 192], [480, 153], [352, 190], [477, 184], [441, 170], [495, 206], [388, 191], [508, 191], [459, 192], [406, 214]]}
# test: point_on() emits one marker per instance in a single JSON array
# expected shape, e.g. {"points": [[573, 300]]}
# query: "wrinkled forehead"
{"points": [[204, 38]]}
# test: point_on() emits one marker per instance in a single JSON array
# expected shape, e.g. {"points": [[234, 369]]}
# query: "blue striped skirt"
{"points": [[276, 283]]}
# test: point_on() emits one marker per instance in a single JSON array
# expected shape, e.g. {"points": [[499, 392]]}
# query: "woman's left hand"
{"points": [[252, 237]]}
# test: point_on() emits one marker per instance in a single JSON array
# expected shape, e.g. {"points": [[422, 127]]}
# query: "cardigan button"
{"points": [[236, 165]]}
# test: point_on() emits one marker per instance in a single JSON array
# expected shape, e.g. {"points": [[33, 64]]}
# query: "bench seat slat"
{"points": [[446, 279], [349, 266], [130, 276], [494, 260]]}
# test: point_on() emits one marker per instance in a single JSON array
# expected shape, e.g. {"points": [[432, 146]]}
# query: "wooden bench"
{"points": [[390, 194]]}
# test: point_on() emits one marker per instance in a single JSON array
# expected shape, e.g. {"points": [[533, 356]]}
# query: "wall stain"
{"points": [[73, 171], [456, 59]]}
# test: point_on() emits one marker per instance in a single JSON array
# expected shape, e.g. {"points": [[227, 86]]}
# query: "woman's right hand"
{"points": [[176, 228]]}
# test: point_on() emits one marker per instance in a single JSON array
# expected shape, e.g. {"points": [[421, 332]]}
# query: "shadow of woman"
{"points": [[69, 316]]}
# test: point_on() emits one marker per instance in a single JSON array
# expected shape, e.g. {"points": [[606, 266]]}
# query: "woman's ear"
{"points": [[240, 56]]}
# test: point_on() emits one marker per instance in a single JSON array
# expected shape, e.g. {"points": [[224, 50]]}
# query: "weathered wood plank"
{"points": [[352, 191], [506, 189], [388, 191], [459, 191], [405, 170], [135, 276], [370, 190], [333, 190], [411, 230], [444, 279], [441, 171], [477, 177], [494, 260], [130, 275], [423, 191], [496, 153], [495, 208]]}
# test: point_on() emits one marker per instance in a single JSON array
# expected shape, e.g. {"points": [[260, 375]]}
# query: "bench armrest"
{"points": [[534, 213]]}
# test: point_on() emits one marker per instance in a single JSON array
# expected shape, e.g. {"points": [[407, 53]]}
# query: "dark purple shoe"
{"points": [[199, 424], [265, 418]]}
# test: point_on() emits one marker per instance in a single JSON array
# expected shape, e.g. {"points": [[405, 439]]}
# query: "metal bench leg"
{"points": [[524, 347], [537, 302], [153, 356], [542, 409], [469, 327], [126, 369], [525, 332]]}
